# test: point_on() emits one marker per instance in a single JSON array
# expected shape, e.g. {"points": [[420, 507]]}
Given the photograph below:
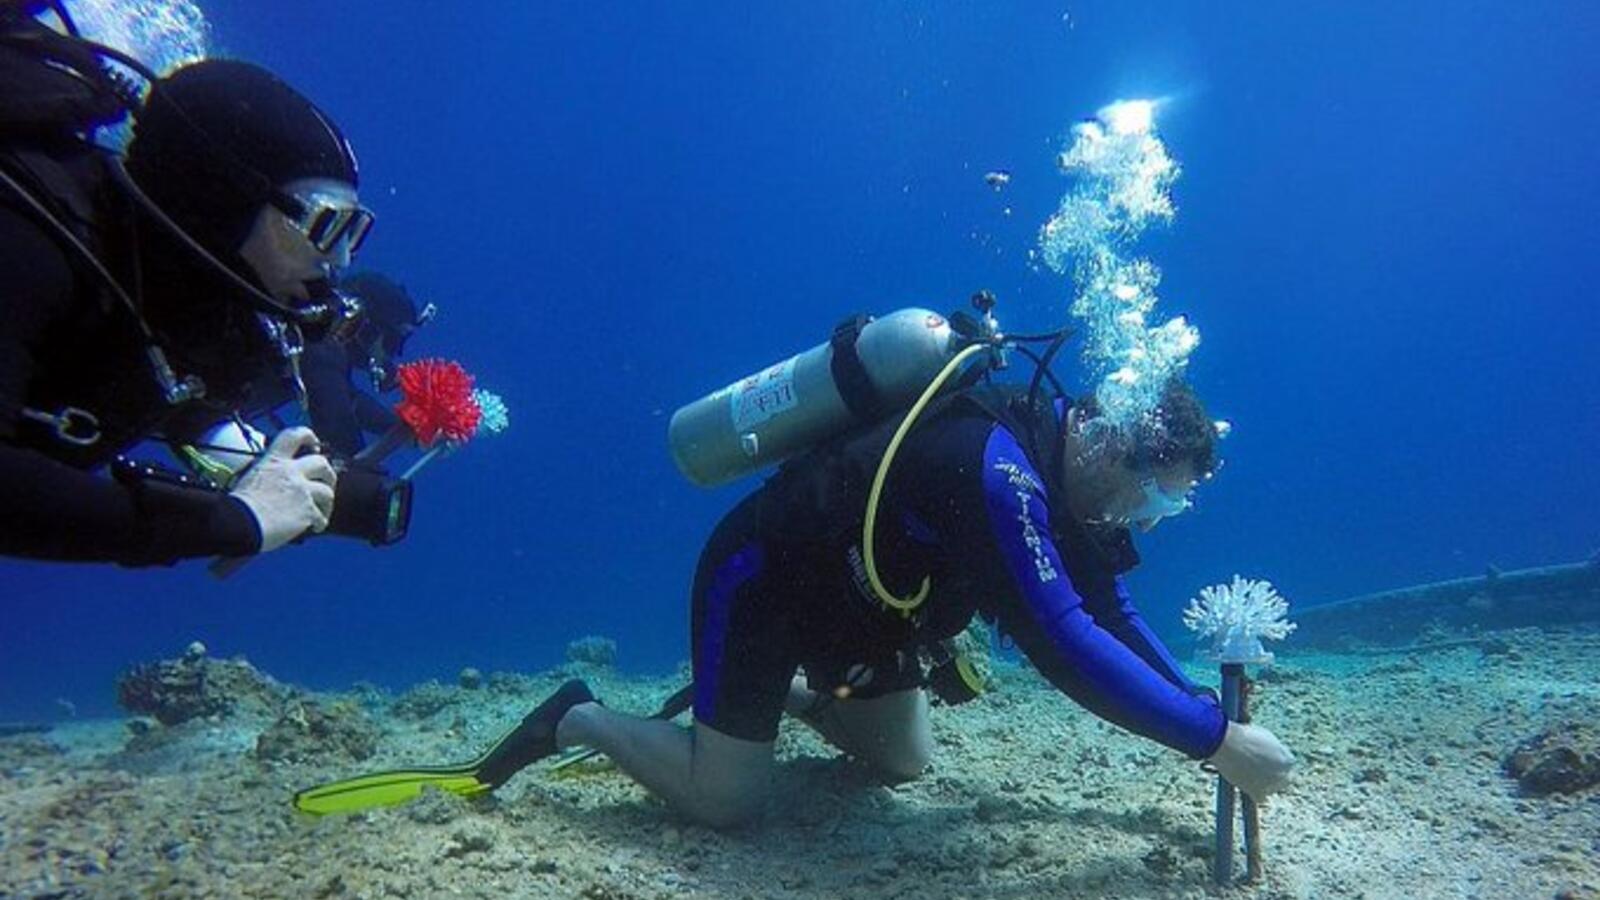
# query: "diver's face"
{"points": [[284, 258], [1103, 488], [1145, 498]]}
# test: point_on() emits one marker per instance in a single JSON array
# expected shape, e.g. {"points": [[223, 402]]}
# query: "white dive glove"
{"points": [[288, 496], [1253, 760]]}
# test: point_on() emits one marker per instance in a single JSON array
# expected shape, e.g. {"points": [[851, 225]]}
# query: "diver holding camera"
{"points": [[339, 381], [147, 296]]}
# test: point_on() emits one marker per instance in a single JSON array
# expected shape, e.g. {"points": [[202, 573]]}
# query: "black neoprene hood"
{"points": [[216, 138]]}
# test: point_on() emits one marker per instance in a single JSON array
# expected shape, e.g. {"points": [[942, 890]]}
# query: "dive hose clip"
{"points": [[174, 390], [71, 425], [951, 675], [379, 376], [290, 343], [430, 311]]}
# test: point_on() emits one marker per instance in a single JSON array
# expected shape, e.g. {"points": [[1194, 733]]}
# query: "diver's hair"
{"points": [[1176, 431]]}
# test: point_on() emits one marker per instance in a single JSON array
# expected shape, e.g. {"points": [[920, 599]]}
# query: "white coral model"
{"points": [[1236, 616]]}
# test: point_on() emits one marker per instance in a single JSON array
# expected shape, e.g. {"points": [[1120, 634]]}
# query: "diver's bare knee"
{"points": [[727, 811]]}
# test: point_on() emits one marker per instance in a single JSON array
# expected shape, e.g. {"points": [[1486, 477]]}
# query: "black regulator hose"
{"points": [[128, 95], [1042, 367], [256, 296], [1042, 337]]}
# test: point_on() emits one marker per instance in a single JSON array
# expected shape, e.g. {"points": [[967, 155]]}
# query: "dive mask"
{"points": [[1156, 504], [327, 221]]}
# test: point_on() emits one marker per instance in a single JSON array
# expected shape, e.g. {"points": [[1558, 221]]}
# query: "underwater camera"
{"points": [[367, 504], [371, 506]]}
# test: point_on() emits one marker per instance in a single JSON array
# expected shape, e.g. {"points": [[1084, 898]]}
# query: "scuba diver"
{"points": [[144, 297], [341, 412], [344, 372], [369, 340], [866, 553]]}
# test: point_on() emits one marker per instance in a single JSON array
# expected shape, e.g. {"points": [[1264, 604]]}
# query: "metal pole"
{"points": [[426, 458], [1252, 814], [1222, 864], [398, 435]]}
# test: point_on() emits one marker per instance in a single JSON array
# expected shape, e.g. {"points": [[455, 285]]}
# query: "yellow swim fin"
{"points": [[529, 742], [532, 740], [390, 788]]}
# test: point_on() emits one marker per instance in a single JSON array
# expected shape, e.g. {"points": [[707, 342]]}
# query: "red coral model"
{"points": [[438, 401]]}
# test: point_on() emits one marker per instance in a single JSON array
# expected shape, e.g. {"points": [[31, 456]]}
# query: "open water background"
{"points": [[1387, 234]]}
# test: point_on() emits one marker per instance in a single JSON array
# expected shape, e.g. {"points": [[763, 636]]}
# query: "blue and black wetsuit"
{"points": [[780, 584]]}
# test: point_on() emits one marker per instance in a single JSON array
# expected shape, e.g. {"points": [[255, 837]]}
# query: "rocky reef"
{"points": [[308, 730], [194, 686], [1462, 772], [593, 651], [1562, 759]]}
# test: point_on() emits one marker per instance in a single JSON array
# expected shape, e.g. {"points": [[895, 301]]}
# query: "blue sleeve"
{"points": [[1118, 615], [1047, 618]]}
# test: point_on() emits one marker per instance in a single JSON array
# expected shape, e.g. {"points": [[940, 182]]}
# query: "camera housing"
{"points": [[371, 506]]}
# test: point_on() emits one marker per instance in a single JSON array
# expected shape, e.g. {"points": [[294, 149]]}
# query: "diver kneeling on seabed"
{"points": [[147, 295], [876, 545]]}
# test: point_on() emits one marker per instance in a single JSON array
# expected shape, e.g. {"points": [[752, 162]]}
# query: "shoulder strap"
{"points": [[1038, 426], [52, 183], [55, 86], [59, 196]]}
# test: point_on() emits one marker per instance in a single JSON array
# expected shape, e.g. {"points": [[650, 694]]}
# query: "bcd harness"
{"points": [[59, 90]]}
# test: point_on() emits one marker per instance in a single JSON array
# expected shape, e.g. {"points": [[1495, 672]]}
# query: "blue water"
{"points": [[1387, 233]]}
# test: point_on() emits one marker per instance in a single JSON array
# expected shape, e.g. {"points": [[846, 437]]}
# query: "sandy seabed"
{"points": [[1400, 792]]}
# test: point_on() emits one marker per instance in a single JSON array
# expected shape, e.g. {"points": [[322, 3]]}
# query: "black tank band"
{"points": [[850, 375]]}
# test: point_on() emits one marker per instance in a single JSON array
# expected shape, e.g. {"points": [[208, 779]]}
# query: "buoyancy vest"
{"points": [[93, 361], [819, 498], [55, 87]]}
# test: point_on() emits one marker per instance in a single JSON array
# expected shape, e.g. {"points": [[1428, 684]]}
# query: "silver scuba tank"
{"points": [[866, 371]]}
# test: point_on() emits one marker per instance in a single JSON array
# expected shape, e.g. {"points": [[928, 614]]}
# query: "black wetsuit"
{"points": [[780, 584], [66, 342], [341, 413]]}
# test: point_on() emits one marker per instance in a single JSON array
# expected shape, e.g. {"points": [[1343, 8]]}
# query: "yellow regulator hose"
{"points": [[869, 524]]}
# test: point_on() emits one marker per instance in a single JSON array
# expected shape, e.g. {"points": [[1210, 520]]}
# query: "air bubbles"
{"points": [[163, 34], [1122, 185], [1127, 117]]}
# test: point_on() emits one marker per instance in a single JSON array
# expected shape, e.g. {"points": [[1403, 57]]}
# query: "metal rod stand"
{"points": [[1222, 862], [1252, 813]]}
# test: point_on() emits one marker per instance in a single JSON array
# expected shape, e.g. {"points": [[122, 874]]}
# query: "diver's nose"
{"points": [[336, 259]]}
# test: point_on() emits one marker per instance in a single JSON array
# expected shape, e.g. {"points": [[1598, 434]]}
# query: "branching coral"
{"points": [[437, 401], [496, 418], [1236, 616]]}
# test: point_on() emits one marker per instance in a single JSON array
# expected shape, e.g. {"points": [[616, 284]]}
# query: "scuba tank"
{"points": [[869, 368]]}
